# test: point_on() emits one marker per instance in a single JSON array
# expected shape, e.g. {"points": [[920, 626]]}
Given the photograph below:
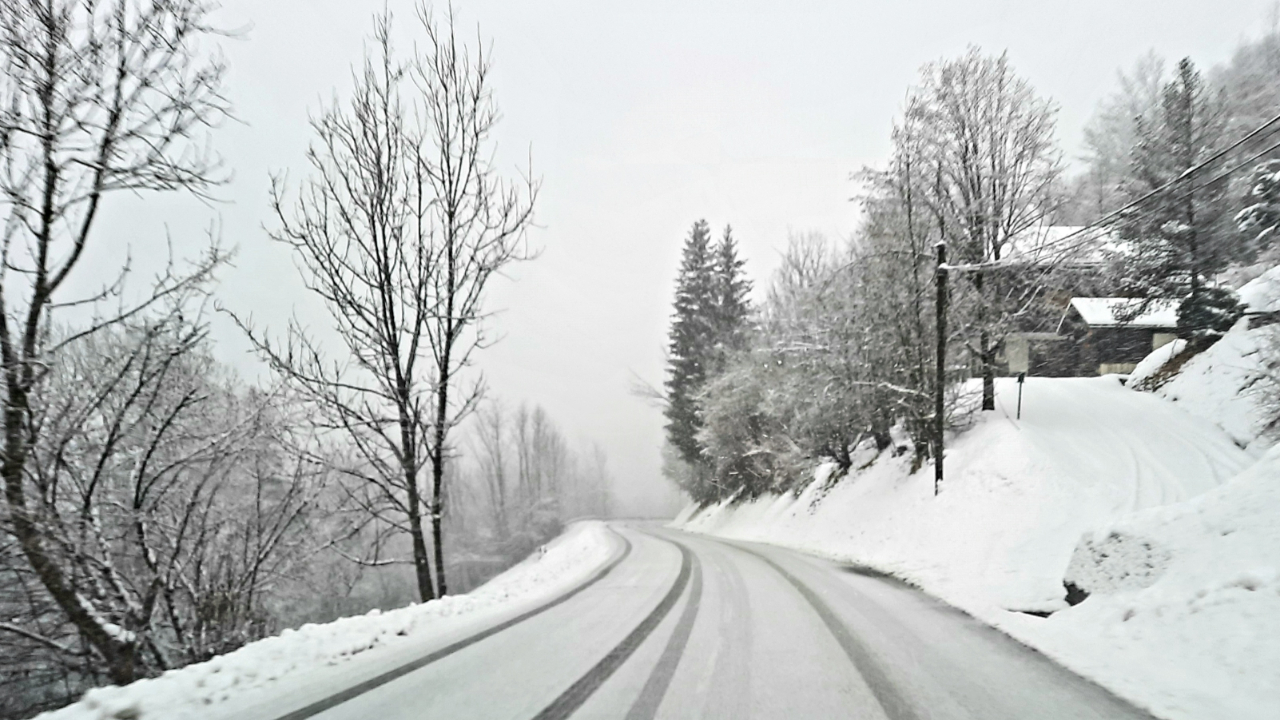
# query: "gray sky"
{"points": [[641, 118]]}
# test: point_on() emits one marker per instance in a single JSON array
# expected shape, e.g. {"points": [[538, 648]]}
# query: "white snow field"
{"points": [[1147, 500], [273, 676]]}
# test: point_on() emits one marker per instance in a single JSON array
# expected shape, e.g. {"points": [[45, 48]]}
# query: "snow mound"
{"points": [[1155, 362], [1201, 639], [1226, 384], [316, 660], [1262, 294]]}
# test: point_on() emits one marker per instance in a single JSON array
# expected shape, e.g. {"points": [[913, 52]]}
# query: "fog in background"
{"points": [[639, 119]]}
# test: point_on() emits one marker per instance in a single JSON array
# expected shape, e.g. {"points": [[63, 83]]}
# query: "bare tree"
{"points": [[525, 481], [399, 230], [1112, 133], [166, 495], [480, 220], [95, 97], [985, 174]]}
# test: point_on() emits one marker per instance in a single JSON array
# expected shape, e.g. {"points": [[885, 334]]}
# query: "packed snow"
{"points": [[1196, 633], [1160, 504], [275, 675]]}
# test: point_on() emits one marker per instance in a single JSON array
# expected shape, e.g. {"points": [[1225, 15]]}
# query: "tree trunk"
{"points": [[119, 656], [441, 431], [421, 561], [437, 484], [987, 357], [986, 349]]}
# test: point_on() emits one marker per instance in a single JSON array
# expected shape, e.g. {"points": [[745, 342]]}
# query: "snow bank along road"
{"points": [[684, 626]]}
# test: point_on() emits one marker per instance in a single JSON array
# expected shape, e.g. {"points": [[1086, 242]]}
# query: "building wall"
{"points": [[1117, 349]]}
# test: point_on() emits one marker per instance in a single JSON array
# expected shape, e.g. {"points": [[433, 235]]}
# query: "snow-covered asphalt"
{"points": [[686, 626]]}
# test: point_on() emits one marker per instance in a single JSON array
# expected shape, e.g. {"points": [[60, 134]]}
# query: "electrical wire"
{"points": [[1270, 127]]}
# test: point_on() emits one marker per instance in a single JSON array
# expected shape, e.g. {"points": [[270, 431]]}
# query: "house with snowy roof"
{"points": [[1095, 336], [1115, 334]]}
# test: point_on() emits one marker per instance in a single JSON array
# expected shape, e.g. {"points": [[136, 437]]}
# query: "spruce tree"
{"points": [[1261, 214], [691, 345], [711, 310], [731, 289], [1182, 237]]}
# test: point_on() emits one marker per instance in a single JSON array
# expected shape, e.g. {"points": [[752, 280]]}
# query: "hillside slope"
{"points": [[1148, 501], [1185, 611], [1018, 493]]}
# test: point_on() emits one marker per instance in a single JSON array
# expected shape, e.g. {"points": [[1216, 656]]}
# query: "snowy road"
{"points": [[1144, 449], [683, 626]]}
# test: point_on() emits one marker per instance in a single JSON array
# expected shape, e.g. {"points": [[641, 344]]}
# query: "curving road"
{"points": [[684, 626]]}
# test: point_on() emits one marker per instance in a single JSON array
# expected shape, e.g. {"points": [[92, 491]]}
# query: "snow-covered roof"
{"points": [[1116, 312]]}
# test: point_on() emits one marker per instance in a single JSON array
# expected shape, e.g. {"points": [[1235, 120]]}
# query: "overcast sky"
{"points": [[640, 118]]}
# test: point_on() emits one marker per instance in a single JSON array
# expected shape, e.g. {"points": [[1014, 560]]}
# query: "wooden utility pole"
{"points": [[940, 381]]}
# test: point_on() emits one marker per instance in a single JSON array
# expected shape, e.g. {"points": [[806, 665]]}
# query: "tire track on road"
{"points": [[571, 699], [892, 702], [350, 693], [655, 688]]}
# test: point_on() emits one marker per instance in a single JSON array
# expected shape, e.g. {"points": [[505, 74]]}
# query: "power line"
{"points": [[1265, 128], [1186, 193]]}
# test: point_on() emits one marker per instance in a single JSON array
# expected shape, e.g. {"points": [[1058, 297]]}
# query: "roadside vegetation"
{"points": [[1175, 200], [159, 509]]}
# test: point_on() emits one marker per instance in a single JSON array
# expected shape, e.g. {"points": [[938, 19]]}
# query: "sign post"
{"points": [[1022, 378], [940, 370]]}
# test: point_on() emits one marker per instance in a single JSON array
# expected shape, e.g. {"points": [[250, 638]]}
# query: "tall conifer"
{"points": [[711, 310], [691, 344], [1183, 236], [731, 289]]}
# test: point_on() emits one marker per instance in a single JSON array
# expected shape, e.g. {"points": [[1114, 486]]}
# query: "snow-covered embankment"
{"points": [[272, 676]]}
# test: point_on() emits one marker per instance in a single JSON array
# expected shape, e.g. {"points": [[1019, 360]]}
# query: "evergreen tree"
{"points": [[731, 290], [1183, 236], [711, 310], [691, 346], [1261, 216]]}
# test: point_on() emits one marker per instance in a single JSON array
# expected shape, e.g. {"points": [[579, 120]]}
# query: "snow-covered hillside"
{"points": [[1222, 383], [1162, 504], [1185, 611], [1018, 493], [314, 661]]}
